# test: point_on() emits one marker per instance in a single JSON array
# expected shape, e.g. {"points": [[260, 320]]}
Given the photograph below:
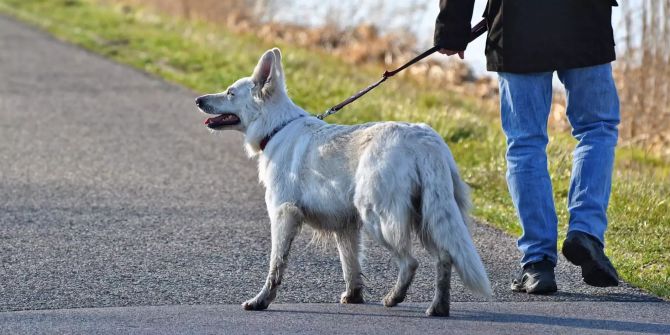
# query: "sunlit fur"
{"points": [[388, 179]]}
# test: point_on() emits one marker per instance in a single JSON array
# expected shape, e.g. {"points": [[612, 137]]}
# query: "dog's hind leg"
{"points": [[285, 225], [406, 269], [440, 304], [392, 230], [349, 246]]}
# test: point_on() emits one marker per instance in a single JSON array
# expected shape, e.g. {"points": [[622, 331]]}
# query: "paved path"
{"points": [[467, 318], [113, 194]]}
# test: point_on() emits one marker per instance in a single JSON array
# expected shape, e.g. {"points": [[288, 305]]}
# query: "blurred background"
{"points": [[391, 32]]}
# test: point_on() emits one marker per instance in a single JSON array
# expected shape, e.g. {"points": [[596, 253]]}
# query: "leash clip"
{"points": [[326, 113]]}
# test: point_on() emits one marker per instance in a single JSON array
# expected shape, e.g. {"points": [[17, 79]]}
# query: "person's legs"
{"points": [[525, 102], [593, 112]]}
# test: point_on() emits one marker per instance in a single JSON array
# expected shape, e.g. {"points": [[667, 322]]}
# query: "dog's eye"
{"points": [[231, 93]]}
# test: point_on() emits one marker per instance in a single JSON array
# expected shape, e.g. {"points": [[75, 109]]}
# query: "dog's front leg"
{"points": [[349, 246], [285, 225]]}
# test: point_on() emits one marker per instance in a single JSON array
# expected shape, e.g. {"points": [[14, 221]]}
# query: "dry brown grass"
{"points": [[642, 72], [356, 44], [643, 76], [360, 44]]}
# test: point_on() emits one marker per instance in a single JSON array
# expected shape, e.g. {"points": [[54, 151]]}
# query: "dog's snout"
{"points": [[198, 101]]}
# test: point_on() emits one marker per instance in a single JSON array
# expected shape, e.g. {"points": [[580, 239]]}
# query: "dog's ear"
{"points": [[279, 68], [266, 78], [263, 71]]}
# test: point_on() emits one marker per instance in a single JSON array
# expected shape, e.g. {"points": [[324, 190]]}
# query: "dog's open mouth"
{"points": [[222, 121]]}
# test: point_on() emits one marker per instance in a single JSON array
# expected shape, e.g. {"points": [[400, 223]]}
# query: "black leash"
{"points": [[476, 31]]}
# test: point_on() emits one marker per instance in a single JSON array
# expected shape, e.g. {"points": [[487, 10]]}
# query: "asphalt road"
{"points": [[466, 318], [113, 193]]}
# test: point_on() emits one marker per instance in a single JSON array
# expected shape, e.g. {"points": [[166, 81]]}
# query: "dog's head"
{"points": [[244, 103]]}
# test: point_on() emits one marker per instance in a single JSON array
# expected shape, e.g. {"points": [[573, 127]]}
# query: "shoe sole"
{"points": [[536, 289], [593, 272]]}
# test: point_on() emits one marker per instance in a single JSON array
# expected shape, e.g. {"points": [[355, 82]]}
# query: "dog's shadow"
{"points": [[478, 316]]}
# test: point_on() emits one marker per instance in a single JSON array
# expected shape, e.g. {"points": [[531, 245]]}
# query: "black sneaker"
{"points": [[586, 251], [536, 278]]}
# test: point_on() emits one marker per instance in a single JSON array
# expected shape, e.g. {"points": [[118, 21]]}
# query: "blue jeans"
{"points": [[593, 112]]}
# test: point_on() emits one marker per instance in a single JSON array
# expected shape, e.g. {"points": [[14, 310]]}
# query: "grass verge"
{"points": [[206, 59]]}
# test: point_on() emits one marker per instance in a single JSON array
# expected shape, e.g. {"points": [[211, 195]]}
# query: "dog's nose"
{"points": [[198, 101]]}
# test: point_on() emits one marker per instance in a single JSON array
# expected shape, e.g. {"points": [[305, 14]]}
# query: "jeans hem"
{"points": [[538, 258], [577, 227]]}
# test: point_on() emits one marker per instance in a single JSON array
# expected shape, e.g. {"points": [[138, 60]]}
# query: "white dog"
{"points": [[387, 178]]}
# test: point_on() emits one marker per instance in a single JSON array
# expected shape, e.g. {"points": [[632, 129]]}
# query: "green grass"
{"points": [[207, 59]]}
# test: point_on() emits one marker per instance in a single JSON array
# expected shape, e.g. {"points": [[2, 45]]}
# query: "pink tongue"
{"points": [[220, 118]]}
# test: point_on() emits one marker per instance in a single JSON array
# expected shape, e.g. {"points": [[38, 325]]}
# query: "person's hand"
{"points": [[461, 54]]}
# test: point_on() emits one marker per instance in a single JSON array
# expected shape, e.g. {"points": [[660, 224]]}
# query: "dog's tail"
{"points": [[446, 219]]}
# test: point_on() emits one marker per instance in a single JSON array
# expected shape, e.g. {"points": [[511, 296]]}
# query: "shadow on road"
{"points": [[478, 316]]}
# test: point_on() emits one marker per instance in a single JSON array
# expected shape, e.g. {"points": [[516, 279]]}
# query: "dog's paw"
{"points": [[392, 299], [255, 305], [438, 310], [355, 297]]}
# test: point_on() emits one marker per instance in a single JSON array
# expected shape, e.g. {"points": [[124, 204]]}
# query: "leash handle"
{"points": [[475, 32]]}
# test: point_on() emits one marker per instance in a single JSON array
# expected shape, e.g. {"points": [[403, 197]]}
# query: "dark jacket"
{"points": [[533, 35]]}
